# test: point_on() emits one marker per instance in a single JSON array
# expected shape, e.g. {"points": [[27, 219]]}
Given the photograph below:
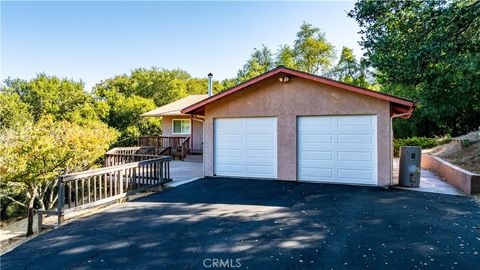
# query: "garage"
{"points": [[306, 128], [245, 147], [338, 149]]}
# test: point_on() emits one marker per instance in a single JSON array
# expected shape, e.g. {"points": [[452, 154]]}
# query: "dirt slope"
{"points": [[467, 157]]}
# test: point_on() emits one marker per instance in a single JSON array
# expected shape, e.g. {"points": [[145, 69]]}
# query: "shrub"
{"points": [[423, 142]]}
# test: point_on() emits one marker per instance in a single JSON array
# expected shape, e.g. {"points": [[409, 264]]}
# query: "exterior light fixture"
{"points": [[284, 79]]}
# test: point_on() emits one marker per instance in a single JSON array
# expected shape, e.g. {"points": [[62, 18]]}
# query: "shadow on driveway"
{"points": [[266, 225]]}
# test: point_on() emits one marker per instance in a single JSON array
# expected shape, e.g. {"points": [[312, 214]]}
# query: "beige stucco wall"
{"points": [[167, 127], [287, 101]]}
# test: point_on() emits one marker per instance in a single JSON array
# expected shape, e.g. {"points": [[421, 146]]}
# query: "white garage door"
{"points": [[340, 149], [245, 147]]}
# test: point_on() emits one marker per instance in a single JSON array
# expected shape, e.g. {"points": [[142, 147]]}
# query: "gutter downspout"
{"points": [[391, 142]]}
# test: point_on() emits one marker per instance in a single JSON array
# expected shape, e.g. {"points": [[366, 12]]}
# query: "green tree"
{"points": [[64, 99], [229, 83], [13, 111], [312, 52], [349, 70], [428, 51], [261, 61], [34, 155], [286, 57], [196, 86], [124, 114], [162, 85]]}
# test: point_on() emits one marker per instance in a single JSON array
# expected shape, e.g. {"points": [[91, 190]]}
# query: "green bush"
{"points": [[423, 142]]}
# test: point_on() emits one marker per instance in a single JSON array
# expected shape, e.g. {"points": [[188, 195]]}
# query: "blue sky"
{"points": [[92, 41]]}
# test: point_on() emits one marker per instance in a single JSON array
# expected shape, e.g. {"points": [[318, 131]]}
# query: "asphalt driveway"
{"points": [[254, 224]]}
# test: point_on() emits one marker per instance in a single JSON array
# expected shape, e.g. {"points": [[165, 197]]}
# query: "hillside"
{"points": [[463, 151]]}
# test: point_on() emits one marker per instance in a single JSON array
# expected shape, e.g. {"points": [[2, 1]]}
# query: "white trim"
{"points": [[181, 119]]}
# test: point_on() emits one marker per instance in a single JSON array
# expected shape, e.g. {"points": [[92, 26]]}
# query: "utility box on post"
{"points": [[409, 170]]}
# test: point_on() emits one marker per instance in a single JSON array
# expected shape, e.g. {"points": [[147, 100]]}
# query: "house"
{"points": [[289, 125], [177, 126]]}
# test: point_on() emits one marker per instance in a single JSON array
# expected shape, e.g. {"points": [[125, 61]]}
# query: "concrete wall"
{"points": [[287, 101], [464, 180], [167, 130]]}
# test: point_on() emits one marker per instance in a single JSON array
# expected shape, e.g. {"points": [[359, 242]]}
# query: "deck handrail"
{"points": [[185, 147], [93, 172], [112, 158], [145, 150], [166, 150], [81, 190], [180, 146], [160, 141]]}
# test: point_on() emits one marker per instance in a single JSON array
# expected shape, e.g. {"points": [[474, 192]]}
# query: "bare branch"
{"points": [[13, 200]]}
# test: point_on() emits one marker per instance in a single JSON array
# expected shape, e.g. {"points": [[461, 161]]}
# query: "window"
{"points": [[181, 126]]}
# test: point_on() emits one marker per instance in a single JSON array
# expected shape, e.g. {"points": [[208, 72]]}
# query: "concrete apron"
{"points": [[429, 182], [183, 172]]}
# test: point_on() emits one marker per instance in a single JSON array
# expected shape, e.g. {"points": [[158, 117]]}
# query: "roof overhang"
{"points": [[398, 105], [172, 113], [175, 108]]}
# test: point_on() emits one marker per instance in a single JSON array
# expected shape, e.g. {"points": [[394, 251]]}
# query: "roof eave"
{"points": [[196, 108]]}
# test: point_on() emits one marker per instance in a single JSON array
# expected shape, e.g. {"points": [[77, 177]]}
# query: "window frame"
{"points": [[181, 129]]}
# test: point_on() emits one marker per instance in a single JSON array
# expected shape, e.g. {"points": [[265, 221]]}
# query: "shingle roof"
{"points": [[175, 107]]}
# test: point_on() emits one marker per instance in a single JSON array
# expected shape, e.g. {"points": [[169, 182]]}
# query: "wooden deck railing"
{"points": [[144, 150], [185, 147], [179, 146], [91, 188], [160, 142], [123, 155]]}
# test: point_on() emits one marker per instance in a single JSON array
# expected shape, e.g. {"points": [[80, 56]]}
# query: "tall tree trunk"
{"points": [[31, 212], [3, 212], [30, 221]]}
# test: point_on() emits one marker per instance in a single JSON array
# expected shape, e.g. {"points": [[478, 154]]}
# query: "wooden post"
{"points": [[83, 191], [100, 190], [40, 221], [110, 175], [94, 188], [60, 200], [121, 175], [167, 164], [191, 131], [105, 186], [76, 192], [69, 194], [88, 189]]}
